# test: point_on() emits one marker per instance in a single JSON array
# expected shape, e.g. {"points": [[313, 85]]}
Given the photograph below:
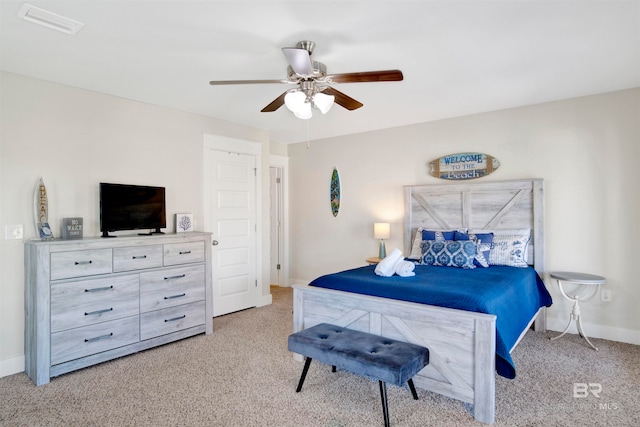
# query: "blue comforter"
{"points": [[513, 294]]}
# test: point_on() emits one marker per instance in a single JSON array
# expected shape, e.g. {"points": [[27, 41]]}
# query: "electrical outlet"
{"points": [[605, 295], [13, 232]]}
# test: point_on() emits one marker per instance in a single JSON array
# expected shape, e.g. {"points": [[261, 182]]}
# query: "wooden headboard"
{"points": [[514, 204]]}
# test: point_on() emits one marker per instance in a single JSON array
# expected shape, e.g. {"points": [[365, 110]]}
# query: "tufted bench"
{"points": [[385, 359]]}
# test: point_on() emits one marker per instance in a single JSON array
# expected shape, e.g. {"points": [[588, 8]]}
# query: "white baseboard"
{"points": [[593, 330], [265, 300], [299, 282], [11, 366]]}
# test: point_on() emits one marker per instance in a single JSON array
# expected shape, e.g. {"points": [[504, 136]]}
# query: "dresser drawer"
{"points": [[76, 304], [65, 265], [137, 257], [171, 287], [183, 253], [81, 342], [162, 322]]}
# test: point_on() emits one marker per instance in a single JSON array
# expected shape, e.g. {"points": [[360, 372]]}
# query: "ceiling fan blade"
{"points": [[299, 60], [244, 82], [343, 100], [367, 76], [275, 104]]}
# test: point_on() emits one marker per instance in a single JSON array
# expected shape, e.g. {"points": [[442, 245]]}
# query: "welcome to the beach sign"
{"points": [[461, 166]]}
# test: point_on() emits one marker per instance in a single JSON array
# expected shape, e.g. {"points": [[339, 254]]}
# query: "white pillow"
{"points": [[524, 233], [509, 249], [416, 250]]}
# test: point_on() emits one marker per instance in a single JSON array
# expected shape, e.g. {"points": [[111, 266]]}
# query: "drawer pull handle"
{"points": [[179, 276], [83, 262], [106, 310], [139, 257], [184, 252], [106, 288], [101, 337], [175, 296], [175, 318]]}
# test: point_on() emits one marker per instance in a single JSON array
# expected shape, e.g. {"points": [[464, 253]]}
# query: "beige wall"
{"points": [[76, 139], [586, 150]]}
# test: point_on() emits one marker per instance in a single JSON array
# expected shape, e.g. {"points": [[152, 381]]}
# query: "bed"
{"points": [[462, 343]]}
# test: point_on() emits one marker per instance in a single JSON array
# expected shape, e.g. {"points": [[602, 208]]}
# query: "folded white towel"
{"points": [[386, 267], [405, 268]]}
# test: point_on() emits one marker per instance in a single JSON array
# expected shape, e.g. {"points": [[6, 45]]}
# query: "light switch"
{"points": [[13, 232]]}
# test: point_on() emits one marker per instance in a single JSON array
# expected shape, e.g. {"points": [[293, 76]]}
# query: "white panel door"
{"points": [[233, 208]]}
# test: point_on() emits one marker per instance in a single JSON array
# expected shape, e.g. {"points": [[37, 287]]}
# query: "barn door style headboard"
{"points": [[498, 205]]}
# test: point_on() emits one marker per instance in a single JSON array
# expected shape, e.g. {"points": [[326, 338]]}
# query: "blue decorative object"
{"points": [[335, 192], [483, 246], [449, 253], [437, 235]]}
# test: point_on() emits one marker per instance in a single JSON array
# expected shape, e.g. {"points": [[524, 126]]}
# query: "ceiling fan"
{"points": [[314, 85]]}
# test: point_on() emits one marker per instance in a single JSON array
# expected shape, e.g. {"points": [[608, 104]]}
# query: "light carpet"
{"points": [[243, 375]]}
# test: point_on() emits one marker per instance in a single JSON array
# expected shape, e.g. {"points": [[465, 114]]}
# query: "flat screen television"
{"points": [[131, 207]]}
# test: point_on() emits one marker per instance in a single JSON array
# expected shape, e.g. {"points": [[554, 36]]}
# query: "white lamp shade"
{"points": [[323, 102], [294, 100], [304, 112], [381, 230]]}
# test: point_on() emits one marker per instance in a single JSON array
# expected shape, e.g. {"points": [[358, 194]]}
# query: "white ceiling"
{"points": [[458, 57]]}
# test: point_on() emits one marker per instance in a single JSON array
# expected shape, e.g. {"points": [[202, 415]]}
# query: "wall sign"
{"points": [[461, 166]]}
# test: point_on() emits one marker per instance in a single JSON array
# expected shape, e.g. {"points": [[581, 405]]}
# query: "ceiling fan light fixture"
{"points": [[296, 102], [304, 112], [323, 102]]}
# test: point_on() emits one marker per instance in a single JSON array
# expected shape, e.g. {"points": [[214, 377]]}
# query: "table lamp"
{"points": [[381, 230]]}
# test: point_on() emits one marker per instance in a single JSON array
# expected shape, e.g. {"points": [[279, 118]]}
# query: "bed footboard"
{"points": [[461, 344]]}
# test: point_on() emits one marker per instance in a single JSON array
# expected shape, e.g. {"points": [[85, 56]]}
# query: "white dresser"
{"points": [[88, 301]]}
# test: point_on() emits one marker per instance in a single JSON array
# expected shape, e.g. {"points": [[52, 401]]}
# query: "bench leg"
{"points": [[304, 374], [385, 408], [413, 388]]}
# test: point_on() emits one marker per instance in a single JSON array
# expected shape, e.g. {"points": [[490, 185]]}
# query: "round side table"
{"points": [[582, 281]]}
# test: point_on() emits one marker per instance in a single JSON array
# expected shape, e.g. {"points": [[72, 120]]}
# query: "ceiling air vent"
{"points": [[49, 19]]}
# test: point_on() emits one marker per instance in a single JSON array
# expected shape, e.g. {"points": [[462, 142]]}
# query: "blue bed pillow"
{"points": [[448, 253], [483, 246], [424, 234], [438, 235]]}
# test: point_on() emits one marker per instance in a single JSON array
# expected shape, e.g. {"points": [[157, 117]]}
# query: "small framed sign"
{"points": [[184, 222], [71, 228]]}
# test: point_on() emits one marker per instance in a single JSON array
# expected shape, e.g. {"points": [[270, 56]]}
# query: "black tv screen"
{"points": [[131, 207]]}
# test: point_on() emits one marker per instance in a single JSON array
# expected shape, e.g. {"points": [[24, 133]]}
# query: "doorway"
{"points": [[278, 220], [232, 216]]}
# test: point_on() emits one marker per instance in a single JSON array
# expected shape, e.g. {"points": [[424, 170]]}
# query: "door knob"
{"points": [[215, 243]]}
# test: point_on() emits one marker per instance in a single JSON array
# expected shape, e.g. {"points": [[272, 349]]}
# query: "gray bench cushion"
{"points": [[365, 354]]}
